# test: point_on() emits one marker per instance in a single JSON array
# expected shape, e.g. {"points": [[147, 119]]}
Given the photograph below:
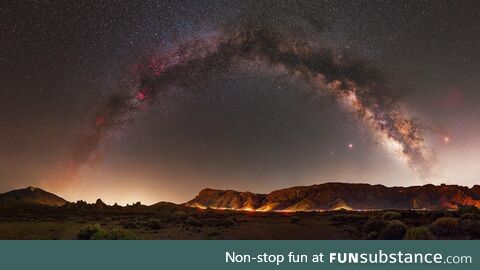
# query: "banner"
{"points": [[228, 254]]}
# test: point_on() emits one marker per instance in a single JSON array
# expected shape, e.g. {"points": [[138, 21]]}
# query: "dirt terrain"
{"points": [[218, 224], [212, 225]]}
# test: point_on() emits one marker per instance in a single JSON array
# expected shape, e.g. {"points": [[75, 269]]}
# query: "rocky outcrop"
{"points": [[335, 196], [228, 199]]}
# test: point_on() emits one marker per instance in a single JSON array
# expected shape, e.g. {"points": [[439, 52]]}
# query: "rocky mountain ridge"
{"points": [[335, 196]]}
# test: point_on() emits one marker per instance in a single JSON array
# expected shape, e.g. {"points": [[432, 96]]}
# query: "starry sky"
{"points": [[249, 128]]}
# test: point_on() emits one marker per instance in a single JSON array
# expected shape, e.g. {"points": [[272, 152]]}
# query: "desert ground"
{"points": [[173, 222]]}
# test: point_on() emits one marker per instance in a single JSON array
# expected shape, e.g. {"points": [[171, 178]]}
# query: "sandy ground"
{"points": [[223, 226], [216, 224]]}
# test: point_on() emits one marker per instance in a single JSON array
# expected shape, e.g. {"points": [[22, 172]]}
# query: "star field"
{"points": [[247, 129]]}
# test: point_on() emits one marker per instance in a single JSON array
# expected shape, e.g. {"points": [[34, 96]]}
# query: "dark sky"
{"points": [[250, 128]]}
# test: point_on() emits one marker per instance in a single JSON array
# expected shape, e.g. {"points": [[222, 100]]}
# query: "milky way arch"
{"points": [[355, 83]]}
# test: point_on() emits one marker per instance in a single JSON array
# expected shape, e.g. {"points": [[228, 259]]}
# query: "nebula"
{"points": [[192, 62]]}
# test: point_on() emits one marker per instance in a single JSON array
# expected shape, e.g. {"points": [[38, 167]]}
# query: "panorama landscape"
{"points": [[159, 119], [307, 212]]}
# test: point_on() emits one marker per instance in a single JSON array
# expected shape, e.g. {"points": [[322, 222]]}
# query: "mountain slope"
{"points": [[334, 196], [32, 196]]}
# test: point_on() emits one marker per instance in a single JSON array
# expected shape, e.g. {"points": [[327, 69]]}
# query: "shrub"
{"points": [[372, 235], [128, 224], [115, 234], [466, 225], [475, 230], [444, 226], [154, 224], [468, 210], [391, 215], [437, 214], [180, 214], [395, 230], [96, 232], [373, 224], [419, 233], [411, 214], [87, 231], [469, 216]]}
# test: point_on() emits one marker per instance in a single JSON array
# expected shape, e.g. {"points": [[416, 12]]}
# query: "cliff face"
{"points": [[228, 199], [331, 196]]}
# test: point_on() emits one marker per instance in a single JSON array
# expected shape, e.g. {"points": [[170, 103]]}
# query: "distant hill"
{"points": [[35, 199], [334, 196], [31, 196], [167, 207]]}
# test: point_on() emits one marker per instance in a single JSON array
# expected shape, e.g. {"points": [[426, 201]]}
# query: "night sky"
{"points": [[253, 124]]}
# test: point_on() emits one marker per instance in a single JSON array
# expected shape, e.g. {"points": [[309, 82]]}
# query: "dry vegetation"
{"points": [[185, 223]]}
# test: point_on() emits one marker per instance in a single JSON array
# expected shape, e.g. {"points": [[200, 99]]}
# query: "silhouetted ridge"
{"points": [[31, 195]]}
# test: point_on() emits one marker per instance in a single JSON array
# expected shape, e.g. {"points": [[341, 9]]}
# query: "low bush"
{"points": [[437, 214], [391, 215], [474, 211], [154, 224], [114, 234], [373, 224], [180, 214], [372, 235], [469, 216], [444, 226], [96, 232], [419, 233], [466, 225], [86, 232], [128, 224], [395, 230], [410, 214], [475, 230]]}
